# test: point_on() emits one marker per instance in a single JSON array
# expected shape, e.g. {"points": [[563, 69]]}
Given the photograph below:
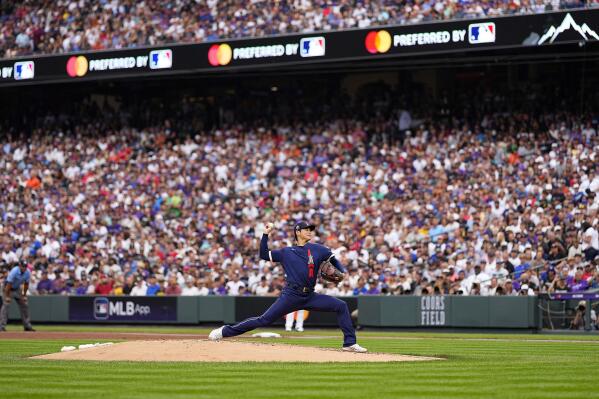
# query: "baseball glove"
{"points": [[328, 272]]}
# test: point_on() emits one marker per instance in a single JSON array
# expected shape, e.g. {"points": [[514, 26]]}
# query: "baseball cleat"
{"points": [[216, 334], [299, 329], [288, 329], [355, 348]]}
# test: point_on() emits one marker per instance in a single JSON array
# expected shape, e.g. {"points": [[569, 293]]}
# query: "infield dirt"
{"points": [[222, 351]]}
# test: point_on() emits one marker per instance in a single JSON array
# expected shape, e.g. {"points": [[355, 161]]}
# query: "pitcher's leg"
{"points": [[283, 305], [327, 303]]}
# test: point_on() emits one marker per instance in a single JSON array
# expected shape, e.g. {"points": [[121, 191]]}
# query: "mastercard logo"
{"points": [[378, 42], [77, 66], [219, 54]]}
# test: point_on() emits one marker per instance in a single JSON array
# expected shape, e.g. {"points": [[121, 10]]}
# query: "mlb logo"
{"points": [[101, 308], [24, 70], [312, 46], [161, 59], [481, 33]]}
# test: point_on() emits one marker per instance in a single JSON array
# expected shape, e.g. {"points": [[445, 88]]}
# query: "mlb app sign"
{"points": [[104, 309], [161, 59], [312, 46], [110, 309], [481, 33], [24, 70]]}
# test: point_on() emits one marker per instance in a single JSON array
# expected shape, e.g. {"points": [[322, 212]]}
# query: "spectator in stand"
{"points": [[220, 285], [577, 283], [82, 288], [153, 287], [234, 285], [172, 288], [475, 290], [559, 286], [59, 287], [140, 288], [590, 245], [44, 286], [373, 288], [361, 288], [508, 288], [345, 289], [190, 289], [129, 284], [548, 279], [525, 290], [263, 288], [205, 290], [117, 289], [161, 286], [491, 289], [478, 277], [331, 289], [105, 286]]}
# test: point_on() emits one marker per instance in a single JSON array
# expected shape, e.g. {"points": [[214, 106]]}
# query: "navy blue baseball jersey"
{"points": [[301, 263]]}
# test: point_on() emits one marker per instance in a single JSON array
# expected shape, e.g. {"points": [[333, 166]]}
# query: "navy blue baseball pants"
{"points": [[290, 301]]}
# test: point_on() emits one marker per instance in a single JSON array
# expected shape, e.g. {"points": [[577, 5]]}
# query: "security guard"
{"points": [[12, 289]]}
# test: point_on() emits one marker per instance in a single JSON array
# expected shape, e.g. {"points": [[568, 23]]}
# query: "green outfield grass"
{"points": [[311, 332], [496, 366]]}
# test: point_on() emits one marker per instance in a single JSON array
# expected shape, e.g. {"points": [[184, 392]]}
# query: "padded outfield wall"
{"points": [[373, 311]]}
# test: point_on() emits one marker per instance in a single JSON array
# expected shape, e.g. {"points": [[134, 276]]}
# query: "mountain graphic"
{"points": [[568, 23]]}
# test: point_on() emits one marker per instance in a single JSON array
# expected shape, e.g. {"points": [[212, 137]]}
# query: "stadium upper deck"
{"points": [[49, 27]]}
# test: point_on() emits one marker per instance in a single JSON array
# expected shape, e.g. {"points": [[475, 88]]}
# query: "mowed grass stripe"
{"points": [[455, 350], [320, 332], [26, 348], [483, 369]]}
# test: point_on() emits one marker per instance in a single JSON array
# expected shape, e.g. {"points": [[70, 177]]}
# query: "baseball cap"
{"points": [[303, 225]]}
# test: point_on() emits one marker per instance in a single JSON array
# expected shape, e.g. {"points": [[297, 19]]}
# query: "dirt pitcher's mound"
{"points": [[223, 351]]}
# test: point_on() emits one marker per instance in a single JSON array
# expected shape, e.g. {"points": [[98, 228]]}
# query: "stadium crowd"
{"points": [[487, 203], [43, 26]]}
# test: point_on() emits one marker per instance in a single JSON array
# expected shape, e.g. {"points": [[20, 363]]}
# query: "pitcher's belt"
{"points": [[300, 288]]}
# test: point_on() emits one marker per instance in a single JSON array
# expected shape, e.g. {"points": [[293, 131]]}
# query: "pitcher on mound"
{"points": [[301, 263]]}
